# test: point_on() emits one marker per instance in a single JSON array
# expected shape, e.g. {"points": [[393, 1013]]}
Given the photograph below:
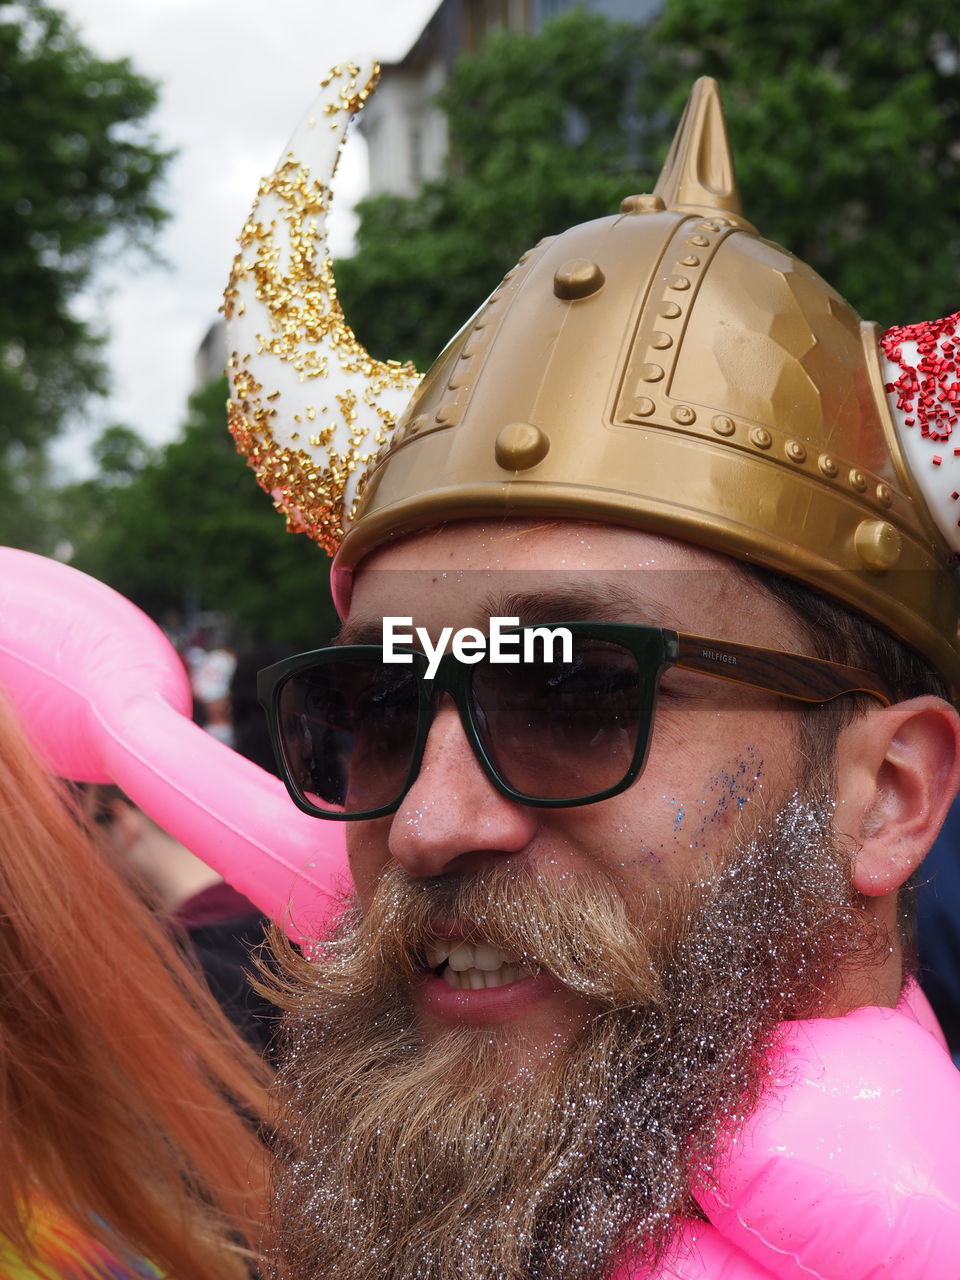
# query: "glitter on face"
{"points": [[725, 794]]}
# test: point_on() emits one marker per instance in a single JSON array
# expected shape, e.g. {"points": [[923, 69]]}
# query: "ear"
{"points": [[898, 769]]}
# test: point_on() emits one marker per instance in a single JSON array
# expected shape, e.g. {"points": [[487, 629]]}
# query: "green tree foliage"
{"points": [[545, 131], [845, 122], [845, 130], [186, 529], [78, 172], [78, 514]]}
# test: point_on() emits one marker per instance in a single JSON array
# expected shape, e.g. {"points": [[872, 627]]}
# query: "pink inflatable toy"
{"points": [[105, 698], [847, 1170]]}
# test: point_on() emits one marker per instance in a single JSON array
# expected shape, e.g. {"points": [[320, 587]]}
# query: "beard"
{"points": [[446, 1159]]}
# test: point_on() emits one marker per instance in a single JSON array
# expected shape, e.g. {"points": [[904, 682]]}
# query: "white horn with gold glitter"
{"points": [[309, 406]]}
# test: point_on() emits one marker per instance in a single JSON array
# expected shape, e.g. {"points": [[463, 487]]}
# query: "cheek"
{"points": [[708, 787], [368, 854], [729, 792], [674, 819]]}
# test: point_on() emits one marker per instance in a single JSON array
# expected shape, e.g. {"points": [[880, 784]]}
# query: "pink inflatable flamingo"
{"points": [[104, 697]]}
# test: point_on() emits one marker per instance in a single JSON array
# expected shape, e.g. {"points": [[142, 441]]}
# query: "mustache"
{"points": [[584, 930], [618, 946]]}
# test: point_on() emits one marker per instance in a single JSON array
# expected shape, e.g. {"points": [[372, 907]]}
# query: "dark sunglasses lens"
{"points": [[562, 730], [348, 731]]}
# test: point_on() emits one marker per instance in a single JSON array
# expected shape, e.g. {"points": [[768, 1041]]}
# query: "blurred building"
{"points": [[406, 133], [210, 359]]}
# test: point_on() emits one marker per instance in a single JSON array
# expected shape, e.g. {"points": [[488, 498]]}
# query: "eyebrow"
{"points": [[603, 601], [361, 631]]}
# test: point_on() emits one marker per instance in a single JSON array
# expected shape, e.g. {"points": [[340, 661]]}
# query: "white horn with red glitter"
{"points": [[921, 370]]}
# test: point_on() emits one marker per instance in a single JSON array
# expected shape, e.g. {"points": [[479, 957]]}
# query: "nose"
{"points": [[453, 819]]}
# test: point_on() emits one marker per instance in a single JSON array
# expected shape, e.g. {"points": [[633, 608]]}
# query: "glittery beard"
{"points": [[443, 1160]]}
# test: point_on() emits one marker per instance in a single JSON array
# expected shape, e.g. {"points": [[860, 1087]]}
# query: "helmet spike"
{"points": [[698, 173]]}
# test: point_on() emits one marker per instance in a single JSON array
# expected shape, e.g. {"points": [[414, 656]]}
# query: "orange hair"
{"points": [[127, 1102]]}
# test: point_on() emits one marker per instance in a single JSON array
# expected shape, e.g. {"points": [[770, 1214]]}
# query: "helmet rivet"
{"points": [[660, 341], [761, 437], [644, 406], [878, 544], [520, 446], [577, 279], [827, 465], [795, 451], [642, 204], [670, 310], [884, 496], [679, 282], [683, 414], [708, 226], [651, 373], [723, 426], [689, 260], [858, 480], [448, 415], [699, 242]]}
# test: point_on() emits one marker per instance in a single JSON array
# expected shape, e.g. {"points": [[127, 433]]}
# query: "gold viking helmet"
{"points": [[668, 369]]}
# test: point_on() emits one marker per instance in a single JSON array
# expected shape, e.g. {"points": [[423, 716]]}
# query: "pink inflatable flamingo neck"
{"points": [[104, 697]]}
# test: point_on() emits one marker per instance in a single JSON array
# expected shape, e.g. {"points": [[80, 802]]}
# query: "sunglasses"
{"points": [[349, 729]]}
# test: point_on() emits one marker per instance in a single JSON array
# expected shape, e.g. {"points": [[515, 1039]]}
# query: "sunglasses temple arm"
{"points": [[792, 675]]}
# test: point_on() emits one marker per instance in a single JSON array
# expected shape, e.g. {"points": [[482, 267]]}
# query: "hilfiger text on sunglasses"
{"points": [[503, 643]]}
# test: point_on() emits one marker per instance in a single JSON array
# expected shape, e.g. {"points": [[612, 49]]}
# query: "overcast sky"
{"points": [[235, 76]]}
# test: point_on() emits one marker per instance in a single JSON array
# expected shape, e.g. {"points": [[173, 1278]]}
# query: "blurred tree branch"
{"points": [[78, 175]]}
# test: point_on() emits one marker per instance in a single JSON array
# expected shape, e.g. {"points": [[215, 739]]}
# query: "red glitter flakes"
{"points": [[930, 390]]}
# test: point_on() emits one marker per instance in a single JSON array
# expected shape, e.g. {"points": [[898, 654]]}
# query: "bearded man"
{"points": [[623, 985]]}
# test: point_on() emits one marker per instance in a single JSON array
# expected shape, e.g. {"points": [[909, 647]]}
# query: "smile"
{"points": [[475, 967]]}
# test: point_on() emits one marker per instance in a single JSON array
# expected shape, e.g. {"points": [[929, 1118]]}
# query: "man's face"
{"points": [[720, 754], [518, 1053]]}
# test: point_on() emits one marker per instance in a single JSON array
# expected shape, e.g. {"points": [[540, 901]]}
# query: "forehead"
{"points": [[465, 572]]}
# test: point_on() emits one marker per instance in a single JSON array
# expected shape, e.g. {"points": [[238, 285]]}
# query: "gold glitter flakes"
{"points": [[295, 357]]}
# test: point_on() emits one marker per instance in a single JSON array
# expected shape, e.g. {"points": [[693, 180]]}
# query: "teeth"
{"points": [[476, 967], [476, 979], [463, 956], [489, 959]]}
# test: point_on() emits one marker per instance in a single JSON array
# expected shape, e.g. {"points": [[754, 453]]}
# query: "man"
{"points": [[623, 985]]}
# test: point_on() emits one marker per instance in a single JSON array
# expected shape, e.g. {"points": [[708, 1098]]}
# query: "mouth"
{"points": [[466, 966]]}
